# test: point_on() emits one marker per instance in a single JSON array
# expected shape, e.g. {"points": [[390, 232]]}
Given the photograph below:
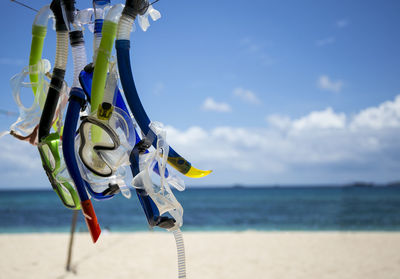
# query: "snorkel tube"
{"points": [[49, 143], [57, 79], [39, 31], [122, 45], [77, 103], [100, 7], [103, 55]]}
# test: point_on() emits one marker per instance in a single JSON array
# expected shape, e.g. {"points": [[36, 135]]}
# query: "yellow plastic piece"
{"points": [[197, 173]]}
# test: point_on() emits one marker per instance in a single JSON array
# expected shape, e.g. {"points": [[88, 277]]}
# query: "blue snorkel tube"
{"points": [[77, 102], [122, 45], [79, 56], [159, 204]]}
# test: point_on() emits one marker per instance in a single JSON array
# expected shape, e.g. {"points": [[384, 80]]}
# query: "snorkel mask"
{"points": [[162, 199], [103, 162], [26, 126], [55, 168], [158, 202]]}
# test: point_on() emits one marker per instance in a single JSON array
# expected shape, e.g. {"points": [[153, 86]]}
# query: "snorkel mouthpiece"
{"points": [[91, 220], [55, 7], [68, 12], [135, 7]]}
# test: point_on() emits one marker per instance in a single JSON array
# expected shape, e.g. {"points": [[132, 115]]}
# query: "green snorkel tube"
{"points": [[49, 144], [39, 31], [109, 32]]}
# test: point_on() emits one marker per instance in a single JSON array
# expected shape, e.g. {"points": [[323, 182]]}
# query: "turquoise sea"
{"points": [[210, 209]]}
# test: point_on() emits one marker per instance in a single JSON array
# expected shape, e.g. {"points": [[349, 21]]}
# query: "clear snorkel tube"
{"points": [[100, 7]]}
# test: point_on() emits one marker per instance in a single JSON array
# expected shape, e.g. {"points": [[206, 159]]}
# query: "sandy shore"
{"points": [[209, 255]]}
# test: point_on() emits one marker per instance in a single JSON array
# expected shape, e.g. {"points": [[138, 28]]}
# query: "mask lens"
{"points": [[48, 157], [23, 89], [29, 91], [65, 188], [95, 140]]}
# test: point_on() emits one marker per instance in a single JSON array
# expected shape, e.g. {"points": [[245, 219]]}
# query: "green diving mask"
{"points": [[49, 149]]}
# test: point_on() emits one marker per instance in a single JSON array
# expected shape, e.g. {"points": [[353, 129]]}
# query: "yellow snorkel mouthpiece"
{"points": [[185, 167], [197, 173]]}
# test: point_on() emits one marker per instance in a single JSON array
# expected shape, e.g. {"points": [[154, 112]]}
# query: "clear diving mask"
{"points": [[26, 126]]}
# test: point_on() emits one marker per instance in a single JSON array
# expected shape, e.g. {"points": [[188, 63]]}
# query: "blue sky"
{"points": [[275, 92]]}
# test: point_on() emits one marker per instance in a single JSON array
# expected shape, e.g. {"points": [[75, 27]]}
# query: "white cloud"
{"points": [[386, 115], [322, 120], [246, 95], [325, 83], [322, 146], [278, 121], [341, 23], [210, 104], [325, 119], [20, 164], [325, 41]]}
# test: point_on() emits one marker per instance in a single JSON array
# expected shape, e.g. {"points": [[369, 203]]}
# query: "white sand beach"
{"points": [[209, 255]]}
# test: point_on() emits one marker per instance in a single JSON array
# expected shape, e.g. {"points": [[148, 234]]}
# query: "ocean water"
{"points": [[224, 209]]}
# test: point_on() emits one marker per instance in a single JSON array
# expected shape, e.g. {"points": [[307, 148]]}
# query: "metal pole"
{"points": [[71, 240]]}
